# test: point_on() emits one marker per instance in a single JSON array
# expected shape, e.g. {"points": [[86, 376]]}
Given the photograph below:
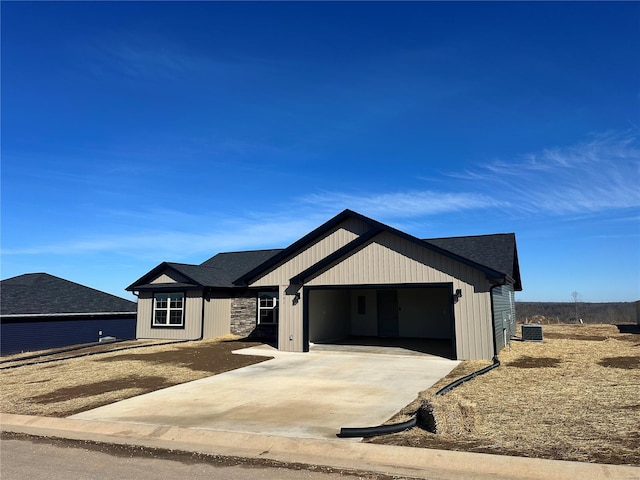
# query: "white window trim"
{"points": [[168, 309], [263, 311]]}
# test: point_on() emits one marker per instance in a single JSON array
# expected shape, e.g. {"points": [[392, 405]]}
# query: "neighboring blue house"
{"points": [[40, 311]]}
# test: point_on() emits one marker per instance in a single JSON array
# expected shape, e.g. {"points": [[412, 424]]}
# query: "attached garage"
{"points": [[396, 312]]}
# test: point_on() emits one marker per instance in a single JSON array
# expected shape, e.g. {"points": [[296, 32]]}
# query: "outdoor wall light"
{"points": [[457, 296]]}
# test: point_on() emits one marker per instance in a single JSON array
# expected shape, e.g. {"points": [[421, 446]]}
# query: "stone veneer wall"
{"points": [[244, 312], [244, 318]]}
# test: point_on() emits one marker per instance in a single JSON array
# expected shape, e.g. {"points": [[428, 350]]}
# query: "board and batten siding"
{"points": [[338, 237], [192, 318], [217, 317], [504, 311], [169, 277]]}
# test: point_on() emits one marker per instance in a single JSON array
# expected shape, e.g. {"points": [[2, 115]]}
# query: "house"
{"points": [[40, 311], [351, 276]]}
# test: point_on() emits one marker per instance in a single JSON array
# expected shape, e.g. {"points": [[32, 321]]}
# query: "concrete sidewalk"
{"points": [[390, 460]]}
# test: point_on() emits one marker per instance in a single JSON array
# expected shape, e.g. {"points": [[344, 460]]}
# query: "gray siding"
{"points": [[504, 315], [217, 314], [169, 277], [387, 259], [192, 318], [322, 247]]}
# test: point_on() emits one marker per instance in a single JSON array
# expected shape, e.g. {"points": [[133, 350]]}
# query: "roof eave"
{"points": [[143, 281], [256, 272], [74, 314], [166, 287]]}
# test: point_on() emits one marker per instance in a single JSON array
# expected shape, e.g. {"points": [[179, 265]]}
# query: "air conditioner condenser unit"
{"points": [[532, 332]]}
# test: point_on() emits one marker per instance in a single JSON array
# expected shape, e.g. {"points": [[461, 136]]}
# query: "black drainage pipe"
{"points": [[365, 432], [471, 376]]}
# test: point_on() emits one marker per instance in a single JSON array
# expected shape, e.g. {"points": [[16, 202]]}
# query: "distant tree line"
{"points": [[565, 312]]}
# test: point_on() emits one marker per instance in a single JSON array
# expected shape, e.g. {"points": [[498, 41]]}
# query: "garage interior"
{"points": [[414, 318]]}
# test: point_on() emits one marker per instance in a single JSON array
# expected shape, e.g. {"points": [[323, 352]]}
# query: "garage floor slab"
{"points": [[304, 395]]}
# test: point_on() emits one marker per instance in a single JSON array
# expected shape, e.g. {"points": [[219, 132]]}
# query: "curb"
{"points": [[384, 459]]}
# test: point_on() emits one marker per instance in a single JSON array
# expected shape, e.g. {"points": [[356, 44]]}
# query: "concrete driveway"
{"points": [[304, 395]]}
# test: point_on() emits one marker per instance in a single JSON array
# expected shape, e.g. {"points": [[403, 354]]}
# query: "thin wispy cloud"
{"points": [[599, 174], [138, 57], [176, 244], [147, 57], [194, 237], [401, 204]]}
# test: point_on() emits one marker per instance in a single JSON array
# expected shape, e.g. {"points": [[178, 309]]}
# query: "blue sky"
{"points": [[135, 133]]}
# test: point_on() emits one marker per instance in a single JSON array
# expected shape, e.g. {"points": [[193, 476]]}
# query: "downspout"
{"points": [[204, 294]]}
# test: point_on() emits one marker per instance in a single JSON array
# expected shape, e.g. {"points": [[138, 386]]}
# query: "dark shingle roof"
{"points": [[497, 251], [495, 255], [458, 250], [219, 271], [41, 293], [236, 264]]}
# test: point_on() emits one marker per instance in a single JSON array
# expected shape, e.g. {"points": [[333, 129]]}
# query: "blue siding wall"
{"points": [[29, 335]]}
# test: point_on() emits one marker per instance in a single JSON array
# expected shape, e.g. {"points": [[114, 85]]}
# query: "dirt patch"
{"points": [[209, 358], [629, 363], [584, 408], [71, 386], [534, 362], [145, 384]]}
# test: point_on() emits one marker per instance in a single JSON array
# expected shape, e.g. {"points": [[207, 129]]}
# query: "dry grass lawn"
{"points": [[63, 388], [573, 397]]}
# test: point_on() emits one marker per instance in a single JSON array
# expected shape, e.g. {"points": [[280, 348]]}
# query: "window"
{"points": [[268, 307], [168, 310]]}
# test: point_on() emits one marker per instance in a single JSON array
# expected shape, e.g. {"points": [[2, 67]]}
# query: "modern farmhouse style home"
{"points": [[350, 277]]}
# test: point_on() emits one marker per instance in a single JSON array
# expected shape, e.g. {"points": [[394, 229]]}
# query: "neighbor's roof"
{"points": [[45, 294]]}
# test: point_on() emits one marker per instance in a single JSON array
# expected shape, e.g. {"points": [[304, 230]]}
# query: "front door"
{"points": [[388, 313]]}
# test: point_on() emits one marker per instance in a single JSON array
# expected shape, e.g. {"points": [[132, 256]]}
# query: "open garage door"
{"points": [[417, 317]]}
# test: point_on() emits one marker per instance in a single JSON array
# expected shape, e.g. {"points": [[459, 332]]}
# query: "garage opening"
{"points": [[414, 318]]}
